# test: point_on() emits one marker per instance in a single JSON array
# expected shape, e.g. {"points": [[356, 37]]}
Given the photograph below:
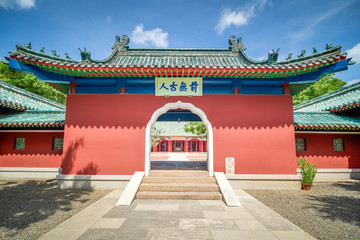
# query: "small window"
{"points": [[338, 144], [58, 143], [19, 143], [300, 144]]}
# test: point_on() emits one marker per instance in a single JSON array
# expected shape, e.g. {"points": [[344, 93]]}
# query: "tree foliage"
{"points": [[155, 136], [326, 84], [30, 83], [197, 128]]}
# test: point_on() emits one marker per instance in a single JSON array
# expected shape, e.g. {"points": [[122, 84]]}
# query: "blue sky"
{"points": [[66, 25]]}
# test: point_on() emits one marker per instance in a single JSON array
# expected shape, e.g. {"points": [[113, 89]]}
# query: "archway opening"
{"points": [[178, 141], [169, 147]]}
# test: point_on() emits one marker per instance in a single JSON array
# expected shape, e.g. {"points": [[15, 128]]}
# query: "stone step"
{"points": [[178, 173], [179, 195], [179, 180], [179, 187]]}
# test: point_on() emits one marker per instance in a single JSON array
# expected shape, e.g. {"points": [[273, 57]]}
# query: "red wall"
{"points": [[38, 151], [105, 134], [320, 150]]}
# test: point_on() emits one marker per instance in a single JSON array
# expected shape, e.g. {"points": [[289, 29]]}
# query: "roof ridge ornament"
{"points": [[236, 46], [272, 56], [123, 45], [85, 55], [28, 45], [329, 46]]}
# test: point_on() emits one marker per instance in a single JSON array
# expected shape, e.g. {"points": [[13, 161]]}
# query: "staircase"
{"points": [[165, 184]]}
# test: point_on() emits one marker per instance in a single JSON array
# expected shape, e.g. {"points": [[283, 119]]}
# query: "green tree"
{"points": [[155, 136], [30, 83], [326, 84], [197, 128]]}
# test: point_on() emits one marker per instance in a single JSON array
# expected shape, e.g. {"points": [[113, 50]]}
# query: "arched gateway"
{"points": [[193, 109]]}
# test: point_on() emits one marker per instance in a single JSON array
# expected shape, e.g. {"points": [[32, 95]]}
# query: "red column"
{"points": [[122, 90], [186, 146], [72, 87], [286, 88], [201, 146], [169, 146], [236, 91]]}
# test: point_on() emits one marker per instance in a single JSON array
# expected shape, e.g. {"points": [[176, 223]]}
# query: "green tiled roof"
{"points": [[33, 119], [234, 57], [173, 129], [342, 99], [324, 121], [20, 99]]}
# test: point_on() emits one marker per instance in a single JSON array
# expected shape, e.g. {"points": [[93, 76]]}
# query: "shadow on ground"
{"points": [[338, 206], [26, 202]]}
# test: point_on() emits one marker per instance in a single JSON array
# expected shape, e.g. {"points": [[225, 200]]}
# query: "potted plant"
{"points": [[308, 172]]}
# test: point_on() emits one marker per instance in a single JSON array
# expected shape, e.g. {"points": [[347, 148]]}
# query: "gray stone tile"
{"points": [[236, 235], [227, 215], [180, 234], [211, 202], [150, 223], [157, 207], [180, 214], [250, 225], [293, 235], [114, 234], [108, 223], [201, 208], [207, 224], [131, 214], [234, 209]]}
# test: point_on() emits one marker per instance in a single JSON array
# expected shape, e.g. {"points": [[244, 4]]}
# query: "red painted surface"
{"points": [[105, 134], [320, 150], [38, 151]]}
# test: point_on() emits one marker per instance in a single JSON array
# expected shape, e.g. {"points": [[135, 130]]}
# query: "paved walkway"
{"points": [[177, 219]]}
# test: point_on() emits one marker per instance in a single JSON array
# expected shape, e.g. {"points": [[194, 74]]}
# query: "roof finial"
{"points": [[28, 45], [328, 46], [85, 55], [272, 56], [314, 50], [54, 53], [42, 49], [67, 56], [302, 54], [234, 45], [123, 45], [289, 57]]}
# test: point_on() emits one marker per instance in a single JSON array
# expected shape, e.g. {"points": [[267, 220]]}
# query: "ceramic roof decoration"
{"points": [[325, 121], [173, 129], [345, 98], [219, 63], [33, 119], [20, 99], [28, 109]]}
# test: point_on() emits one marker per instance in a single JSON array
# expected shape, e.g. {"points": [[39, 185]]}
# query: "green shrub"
{"points": [[307, 170]]}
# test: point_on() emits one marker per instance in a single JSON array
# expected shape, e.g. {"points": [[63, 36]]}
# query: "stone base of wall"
{"points": [[92, 181], [20, 172]]}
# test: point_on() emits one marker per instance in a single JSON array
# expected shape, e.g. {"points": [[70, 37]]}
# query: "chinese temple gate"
{"points": [[112, 104]]}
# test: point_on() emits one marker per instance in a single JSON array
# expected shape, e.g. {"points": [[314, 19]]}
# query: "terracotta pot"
{"points": [[306, 186]]}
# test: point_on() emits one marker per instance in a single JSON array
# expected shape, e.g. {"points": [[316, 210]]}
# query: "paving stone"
{"points": [[190, 208], [293, 235], [157, 207], [131, 214], [234, 209], [114, 234], [207, 224], [227, 215], [108, 223], [150, 223], [250, 225], [211, 202], [236, 235], [180, 214], [181, 234]]}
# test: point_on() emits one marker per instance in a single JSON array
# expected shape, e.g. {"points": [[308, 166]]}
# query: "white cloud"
{"points": [[239, 17], [156, 37], [108, 19], [17, 4], [353, 81], [354, 53]]}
